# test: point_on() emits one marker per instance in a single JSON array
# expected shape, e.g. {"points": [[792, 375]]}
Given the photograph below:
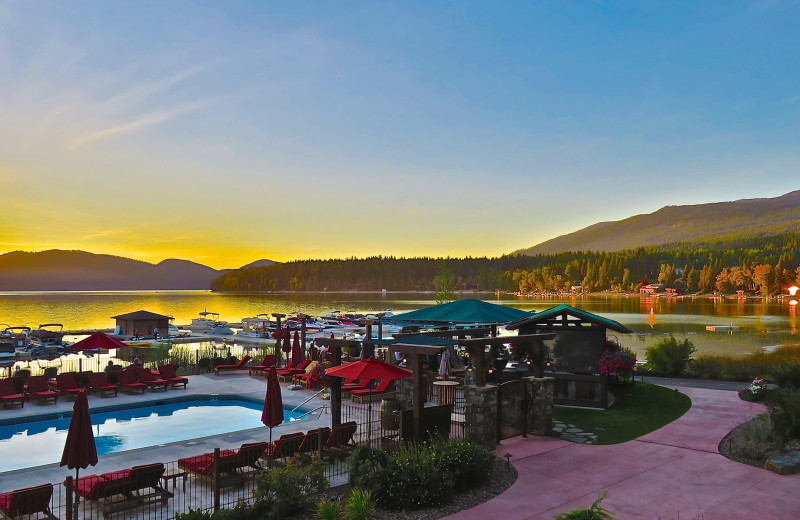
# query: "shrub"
{"points": [[360, 505], [194, 514], [784, 411], [471, 464], [365, 466], [669, 357], [285, 491], [705, 368], [786, 374], [752, 440], [593, 512], [413, 478], [329, 510]]}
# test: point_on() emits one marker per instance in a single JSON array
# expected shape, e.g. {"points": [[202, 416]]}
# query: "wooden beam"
{"points": [[425, 350], [461, 333], [419, 391]]}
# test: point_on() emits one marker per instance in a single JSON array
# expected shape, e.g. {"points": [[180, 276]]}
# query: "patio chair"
{"points": [[203, 466], [289, 366], [314, 440], [305, 376], [167, 373], [249, 454], [383, 388], [28, 501], [124, 489], [39, 388], [287, 375], [268, 362], [237, 366], [126, 379], [363, 384], [67, 384], [340, 441], [9, 395], [285, 447], [148, 378], [99, 383]]}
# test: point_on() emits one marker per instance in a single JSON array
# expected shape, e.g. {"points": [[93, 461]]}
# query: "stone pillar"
{"points": [[406, 393], [540, 414], [480, 416]]}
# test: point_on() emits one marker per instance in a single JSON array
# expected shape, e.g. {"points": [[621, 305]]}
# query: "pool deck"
{"points": [[200, 385]]}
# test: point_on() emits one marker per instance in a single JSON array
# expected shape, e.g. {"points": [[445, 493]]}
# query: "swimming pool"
{"points": [[36, 442]]}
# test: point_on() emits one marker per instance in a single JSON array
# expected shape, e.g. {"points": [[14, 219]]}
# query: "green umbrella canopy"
{"points": [[468, 310]]}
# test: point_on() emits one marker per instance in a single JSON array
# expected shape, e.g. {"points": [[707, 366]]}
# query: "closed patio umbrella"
{"points": [[444, 365], [79, 450], [287, 340], [297, 352], [272, 415]]}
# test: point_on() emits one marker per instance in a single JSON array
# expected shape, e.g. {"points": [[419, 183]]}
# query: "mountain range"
{"points": [[691, 224], [57, 270]]}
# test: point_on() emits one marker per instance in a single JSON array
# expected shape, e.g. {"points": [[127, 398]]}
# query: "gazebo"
{"points": [[144, 322], [580, 336]]}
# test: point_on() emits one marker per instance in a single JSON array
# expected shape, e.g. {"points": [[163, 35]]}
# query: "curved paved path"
{"points": [[672, 473]]}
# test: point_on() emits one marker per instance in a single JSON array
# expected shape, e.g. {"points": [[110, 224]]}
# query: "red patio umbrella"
{"points": [[96, 341], [369, 368], [272, 415], [287, 340], [297, 352], [79, 450]]}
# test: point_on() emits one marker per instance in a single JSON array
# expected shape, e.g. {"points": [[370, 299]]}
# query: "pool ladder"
{"points": [[306, 414]]}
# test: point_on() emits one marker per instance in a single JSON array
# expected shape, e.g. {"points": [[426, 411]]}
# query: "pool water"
{"points": [[34, 443]]}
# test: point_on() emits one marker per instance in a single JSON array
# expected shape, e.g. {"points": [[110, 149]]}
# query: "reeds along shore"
{"points": [[780, 366]]}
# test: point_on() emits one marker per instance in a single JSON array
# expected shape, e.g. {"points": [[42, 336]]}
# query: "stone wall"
{"points": [[480, 416], [540, 418]]}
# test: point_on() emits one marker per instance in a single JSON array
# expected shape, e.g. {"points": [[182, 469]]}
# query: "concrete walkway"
{"points": [[673, 473]]}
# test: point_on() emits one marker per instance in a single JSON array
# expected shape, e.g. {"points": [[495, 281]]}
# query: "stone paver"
{"points": [[674, 472]]}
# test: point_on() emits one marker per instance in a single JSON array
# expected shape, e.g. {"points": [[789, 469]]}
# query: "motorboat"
{"points": [[205, 322], [258, 326], [220, 328], [47, 334], [19, 336]]}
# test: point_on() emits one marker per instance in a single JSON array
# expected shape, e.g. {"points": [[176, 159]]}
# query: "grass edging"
{"points": [[638, 410]]}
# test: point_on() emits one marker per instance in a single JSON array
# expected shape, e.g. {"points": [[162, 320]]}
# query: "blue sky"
{"points": [[224, 132]]}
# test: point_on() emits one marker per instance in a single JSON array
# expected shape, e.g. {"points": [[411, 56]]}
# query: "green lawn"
{"points": [[638, 410]]}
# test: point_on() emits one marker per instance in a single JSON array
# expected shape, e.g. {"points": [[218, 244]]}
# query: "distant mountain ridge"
{"points": [[683, 224], [58, 270]]}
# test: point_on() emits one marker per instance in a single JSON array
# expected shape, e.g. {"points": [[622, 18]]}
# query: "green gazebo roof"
{"points": [[548, 317], [468, 310]]}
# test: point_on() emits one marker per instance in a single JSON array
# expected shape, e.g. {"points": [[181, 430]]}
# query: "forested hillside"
{"points": [[718, 221], [762, 264]]}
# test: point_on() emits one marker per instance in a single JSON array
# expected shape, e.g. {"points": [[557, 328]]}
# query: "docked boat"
{"points": [[220, 328], [19, 337], [47, 334], [205, 322], [258, 326]]}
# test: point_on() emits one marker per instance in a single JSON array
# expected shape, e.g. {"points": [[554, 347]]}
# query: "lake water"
{"points": [[763, 323]]}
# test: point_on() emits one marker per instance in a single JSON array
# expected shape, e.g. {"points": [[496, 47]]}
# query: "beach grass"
{"points": [[638, 410]]}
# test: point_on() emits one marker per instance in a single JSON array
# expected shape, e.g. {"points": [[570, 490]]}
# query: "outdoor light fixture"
{"points": [[528, 361], [793, 290]]}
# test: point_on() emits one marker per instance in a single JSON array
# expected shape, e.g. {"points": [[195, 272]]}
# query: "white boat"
{"points": [[205, 322], [220, 328], [47, 334], [258, 326]]}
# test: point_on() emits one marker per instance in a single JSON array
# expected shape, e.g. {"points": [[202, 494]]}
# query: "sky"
{"points": [[226, 132]]}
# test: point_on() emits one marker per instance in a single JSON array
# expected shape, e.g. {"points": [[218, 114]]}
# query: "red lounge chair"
{"points": [[27, 501], [39, 388], [99, 383], [314, 440], [167, 373], [145, 376], [237, 366], [67, 383], [268, 362], [289, 366], [361, 385], [9, 395], [250, 453], [124, 489], [286, 446], [382, 388], [283, 375], [126, 379], [340, 440]]}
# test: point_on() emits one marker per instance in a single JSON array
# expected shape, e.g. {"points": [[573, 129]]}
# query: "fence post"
{"points": [[68, 485], [215, 484]]}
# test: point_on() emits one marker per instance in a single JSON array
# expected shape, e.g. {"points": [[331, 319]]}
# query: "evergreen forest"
{"points": [[764, 265]]}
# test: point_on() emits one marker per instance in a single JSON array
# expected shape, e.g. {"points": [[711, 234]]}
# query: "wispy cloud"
{"points": [[138, 124]]}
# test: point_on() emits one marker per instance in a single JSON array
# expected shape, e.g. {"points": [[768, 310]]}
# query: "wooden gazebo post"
{"points": [[335, 346], [414, 354]]}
